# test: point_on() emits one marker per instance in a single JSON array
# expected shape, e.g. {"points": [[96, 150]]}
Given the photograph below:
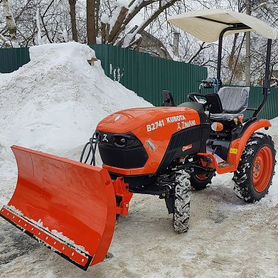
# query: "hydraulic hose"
{"points": [[90, 148]]}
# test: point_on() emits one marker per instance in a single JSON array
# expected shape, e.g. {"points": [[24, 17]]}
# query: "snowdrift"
{"points": [[54, 102]]}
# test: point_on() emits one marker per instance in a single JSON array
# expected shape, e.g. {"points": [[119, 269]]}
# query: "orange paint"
{"points": [[137, 120], [72, 198], [263, 169], [240, 143], [236, 149]]}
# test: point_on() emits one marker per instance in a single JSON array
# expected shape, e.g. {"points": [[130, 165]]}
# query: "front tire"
{"points": [[182, 197], [256, 168]]}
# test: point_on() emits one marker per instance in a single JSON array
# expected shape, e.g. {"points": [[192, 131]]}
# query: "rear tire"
{"points": [[182, 197], [256, 168], [200, 182]]}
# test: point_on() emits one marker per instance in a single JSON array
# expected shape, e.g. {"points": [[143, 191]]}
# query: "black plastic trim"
{"points": [[133, 155], [195, 135], [240, 131]]}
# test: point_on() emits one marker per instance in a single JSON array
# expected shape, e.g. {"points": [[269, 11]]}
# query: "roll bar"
{"points": [[220, 22], [266, 85]]}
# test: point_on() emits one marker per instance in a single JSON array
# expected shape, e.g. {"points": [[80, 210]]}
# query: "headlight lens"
{"points": [[119, 140]]}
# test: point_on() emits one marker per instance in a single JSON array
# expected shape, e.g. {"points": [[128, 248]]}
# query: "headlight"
{"points": [[119, 140]]}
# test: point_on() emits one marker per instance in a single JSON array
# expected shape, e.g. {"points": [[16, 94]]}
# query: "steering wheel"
{"points": [[211, 102], [199, 98]]}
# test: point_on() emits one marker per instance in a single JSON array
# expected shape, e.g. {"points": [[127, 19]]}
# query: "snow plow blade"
{"points": [[67, 205]]}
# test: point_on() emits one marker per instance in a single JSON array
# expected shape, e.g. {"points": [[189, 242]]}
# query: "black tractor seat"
{"points": [[234, 101]]}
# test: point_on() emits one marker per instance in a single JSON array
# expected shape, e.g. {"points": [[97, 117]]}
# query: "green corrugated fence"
{"points": [[148, 76], [270, 110], [13, 58]]}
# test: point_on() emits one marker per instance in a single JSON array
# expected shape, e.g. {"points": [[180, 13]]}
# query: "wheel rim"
{"points": [[262, 169]]}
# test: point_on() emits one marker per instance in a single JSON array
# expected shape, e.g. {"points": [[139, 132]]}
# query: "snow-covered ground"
{"points": [[53, 104]]}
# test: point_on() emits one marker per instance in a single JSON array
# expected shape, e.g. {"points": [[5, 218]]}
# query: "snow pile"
{"points": [[54, 102]]}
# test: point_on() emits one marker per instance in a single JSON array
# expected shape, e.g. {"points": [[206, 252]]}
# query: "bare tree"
{"points": [[39, 38], [201, 48], [115, 22], [72, 4], [97, 8], [120, 32], [10, 22], [248, 49], [91, 22]]}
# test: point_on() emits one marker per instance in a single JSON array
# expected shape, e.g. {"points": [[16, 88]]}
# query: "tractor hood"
{"points": [[134, 141], [128, 120]]}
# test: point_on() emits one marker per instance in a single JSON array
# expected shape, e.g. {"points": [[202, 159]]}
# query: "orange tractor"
{"points": [[72, 207]]}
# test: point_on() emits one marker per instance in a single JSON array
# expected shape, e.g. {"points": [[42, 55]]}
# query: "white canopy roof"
{"points": [[209, 30]]}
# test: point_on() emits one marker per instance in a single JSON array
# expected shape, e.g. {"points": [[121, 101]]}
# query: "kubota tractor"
{"points": [[72, 207]]}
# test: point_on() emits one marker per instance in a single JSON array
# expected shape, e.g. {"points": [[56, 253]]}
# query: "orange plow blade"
{"points": [[67, 205]]}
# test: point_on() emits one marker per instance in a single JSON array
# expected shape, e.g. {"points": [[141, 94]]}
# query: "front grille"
{"points": [[122, 151]]}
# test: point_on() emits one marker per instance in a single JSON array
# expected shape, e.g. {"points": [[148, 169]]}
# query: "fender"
{"points": [[236, 149], [237, 146]]}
